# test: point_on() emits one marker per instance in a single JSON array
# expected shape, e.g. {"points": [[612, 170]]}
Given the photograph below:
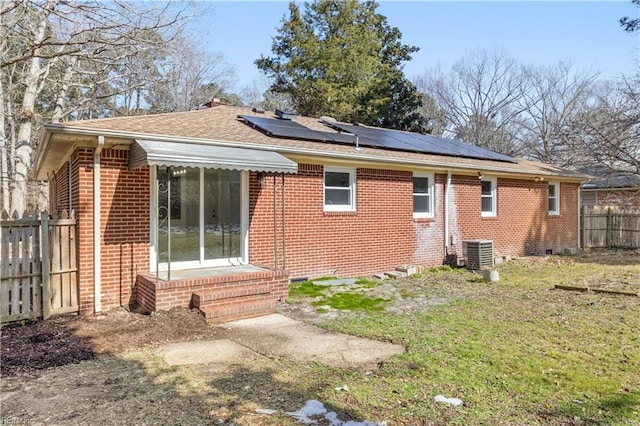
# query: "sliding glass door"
{"points": [[200, 217]]}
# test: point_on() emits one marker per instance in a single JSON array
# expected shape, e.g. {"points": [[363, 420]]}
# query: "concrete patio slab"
{"points": [[222, 351], [279, 336]]}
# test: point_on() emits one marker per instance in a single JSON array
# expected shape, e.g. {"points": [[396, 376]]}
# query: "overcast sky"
{"points": [[540, 32]]}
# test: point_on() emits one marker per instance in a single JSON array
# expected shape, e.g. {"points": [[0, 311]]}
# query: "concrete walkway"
{"points": [[280, 336]]}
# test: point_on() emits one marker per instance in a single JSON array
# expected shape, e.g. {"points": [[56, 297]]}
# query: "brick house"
{"points": [[621, 190], [216, 208]]}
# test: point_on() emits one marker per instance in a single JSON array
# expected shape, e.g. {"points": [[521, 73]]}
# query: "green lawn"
{"points": [[516, 351]]}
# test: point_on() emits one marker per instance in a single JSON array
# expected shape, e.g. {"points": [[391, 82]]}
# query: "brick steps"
{"points": [[232, 303]]}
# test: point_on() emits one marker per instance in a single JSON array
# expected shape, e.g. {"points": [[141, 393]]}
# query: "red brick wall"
{"points": [[624, 198], [522, 225], [125, 204], [124, 227], [380, 235], [59, 190], [82, 201]]}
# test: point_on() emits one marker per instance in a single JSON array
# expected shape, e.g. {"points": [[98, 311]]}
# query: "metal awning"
{"points": [[182, 154]]}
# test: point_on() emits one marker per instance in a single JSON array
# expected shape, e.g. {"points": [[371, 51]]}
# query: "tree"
{"points": [[188, 78], [341, 58], [435, 120], [67, 53], [557, 95], [481, 97], [630, 24], [607, 132]]}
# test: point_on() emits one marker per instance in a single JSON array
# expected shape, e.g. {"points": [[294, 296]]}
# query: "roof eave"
{"points": [[123, 136]]}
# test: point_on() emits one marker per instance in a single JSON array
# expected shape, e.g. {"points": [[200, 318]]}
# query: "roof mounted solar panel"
{"points": [[375, 137], [416, 142], [291, 129]]}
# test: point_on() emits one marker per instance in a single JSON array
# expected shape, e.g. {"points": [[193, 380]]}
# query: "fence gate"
{"points": [[38, 272]]}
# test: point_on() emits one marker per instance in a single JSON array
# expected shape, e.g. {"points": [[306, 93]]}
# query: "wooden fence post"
{"points": [[46, 260], [608, 235], [582, 225]]}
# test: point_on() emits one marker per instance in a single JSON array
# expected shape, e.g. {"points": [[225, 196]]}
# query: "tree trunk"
{"points": [[4, 163], [58, 109], [4, 173], [24, 151]]}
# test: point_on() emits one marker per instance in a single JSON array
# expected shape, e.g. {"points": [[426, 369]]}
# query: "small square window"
{"points": [[339, 189], [554, 198], [489, 197], [423, 196]]}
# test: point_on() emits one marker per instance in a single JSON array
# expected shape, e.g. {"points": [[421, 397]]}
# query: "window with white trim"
{"points": [[489, 196], [423, 195], [339, 189], [554, 198]]}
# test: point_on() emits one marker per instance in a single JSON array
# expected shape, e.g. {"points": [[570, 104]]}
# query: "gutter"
{"points": [[44, 142], [97, 269]]}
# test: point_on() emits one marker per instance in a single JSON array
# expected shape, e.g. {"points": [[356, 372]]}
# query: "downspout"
{"points": [[70, 195], [97, 270], [275, 225], [580, 225], [446, 213], [284, 239]]}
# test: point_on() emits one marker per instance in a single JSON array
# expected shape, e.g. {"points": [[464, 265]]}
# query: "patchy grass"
{"points": [[517, 352], [342, 297], [368, 283], [305, 289], [352, 301]]}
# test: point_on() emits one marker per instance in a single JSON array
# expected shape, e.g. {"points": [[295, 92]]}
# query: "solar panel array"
{"points": [[374, 137], [291, 129], [417, 142]]}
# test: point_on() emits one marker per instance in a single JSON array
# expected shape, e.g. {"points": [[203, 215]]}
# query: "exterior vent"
{"points": [[286, 115], [478, 253], [327, 120]]}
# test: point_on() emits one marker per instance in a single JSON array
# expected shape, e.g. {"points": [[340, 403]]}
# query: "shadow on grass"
{"points": [[244, 390], [105, 390], [51, 375], [616, 409], [613, 257]]}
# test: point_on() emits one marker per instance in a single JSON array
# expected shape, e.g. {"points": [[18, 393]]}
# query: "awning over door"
{"points": [[182, 154]]}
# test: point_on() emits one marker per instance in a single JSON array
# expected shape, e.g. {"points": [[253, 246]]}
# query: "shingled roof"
{"points": [[221, 125]]}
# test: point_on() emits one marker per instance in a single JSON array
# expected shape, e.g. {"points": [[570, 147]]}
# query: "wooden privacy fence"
{"points": [[38, 272], [610, 227]]}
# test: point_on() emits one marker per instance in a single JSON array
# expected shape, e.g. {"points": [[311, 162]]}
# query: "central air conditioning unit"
{"points": [[478, 254]]}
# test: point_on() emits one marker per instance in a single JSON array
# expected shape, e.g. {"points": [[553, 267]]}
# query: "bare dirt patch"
{"points": [[30, 348]]}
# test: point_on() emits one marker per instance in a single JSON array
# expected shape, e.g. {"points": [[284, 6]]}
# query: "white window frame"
{"points": [[556, 197], [494, 197], [431, 194], [351, 207]]}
